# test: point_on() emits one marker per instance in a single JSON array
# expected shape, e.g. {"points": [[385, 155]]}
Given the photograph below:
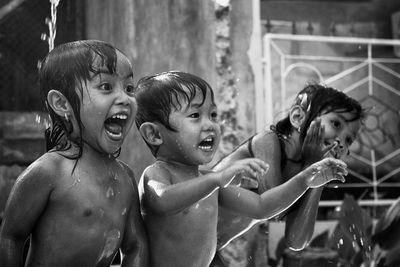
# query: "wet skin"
{"points": [[187, 235], [180, 203], [81, 217], [324, 132]]}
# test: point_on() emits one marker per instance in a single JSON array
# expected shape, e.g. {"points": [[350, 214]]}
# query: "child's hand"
{"points": [[243, 171], [326, 170], [313, 146]]}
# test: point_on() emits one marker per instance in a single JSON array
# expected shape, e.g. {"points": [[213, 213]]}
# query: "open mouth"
{"points": [[115, 124], [207, 144]]}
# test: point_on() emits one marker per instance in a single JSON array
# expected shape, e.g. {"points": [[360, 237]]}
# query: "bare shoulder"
{"points": [[266, 144], [44, 168], [158, 172], [126, 168], [266, 139]]}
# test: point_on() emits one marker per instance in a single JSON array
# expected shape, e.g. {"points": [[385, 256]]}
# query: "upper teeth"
{"points": [[208, 139], [120, 116]]}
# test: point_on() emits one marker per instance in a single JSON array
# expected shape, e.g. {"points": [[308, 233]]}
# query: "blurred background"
{"points": [[256, 54]]}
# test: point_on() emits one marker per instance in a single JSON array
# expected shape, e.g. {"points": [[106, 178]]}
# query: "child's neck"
{"points": [[188, 168], [93, 154]]}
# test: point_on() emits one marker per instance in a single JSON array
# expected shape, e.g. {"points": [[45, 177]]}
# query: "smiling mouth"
{"points": [[207, 144], [115, 124]]}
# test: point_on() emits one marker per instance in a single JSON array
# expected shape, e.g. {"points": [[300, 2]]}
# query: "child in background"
{"points": [[322, 122], [177, 118], [78, 203]]}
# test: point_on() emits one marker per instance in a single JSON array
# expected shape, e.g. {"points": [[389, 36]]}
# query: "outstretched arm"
{"points": [[26, 202], [280, 198], [300, 220], [163, 196]]}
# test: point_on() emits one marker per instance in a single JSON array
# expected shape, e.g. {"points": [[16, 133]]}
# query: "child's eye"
{"points": [[214, 115], [106, 87], [349, 141], [130, 89], [194, 115], [336, 124]]}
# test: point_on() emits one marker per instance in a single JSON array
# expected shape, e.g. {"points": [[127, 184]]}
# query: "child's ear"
{"points": [[151, 133], [59, 103], [297, 116]]}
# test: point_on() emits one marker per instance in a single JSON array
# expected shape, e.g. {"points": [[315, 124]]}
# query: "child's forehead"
{"points": [[344, 115], [121, 67], [193, 98]]}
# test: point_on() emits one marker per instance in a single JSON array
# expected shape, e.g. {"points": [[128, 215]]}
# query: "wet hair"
{"points": [[316, 100], [157, 95], [67, 68]]}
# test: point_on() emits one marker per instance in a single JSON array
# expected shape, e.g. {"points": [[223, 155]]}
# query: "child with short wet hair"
{"points": [[177, 118], [322, 122], [78, 203]]}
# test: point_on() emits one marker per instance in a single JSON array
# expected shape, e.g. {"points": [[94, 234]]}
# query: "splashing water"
{"points": [[51, 23]]}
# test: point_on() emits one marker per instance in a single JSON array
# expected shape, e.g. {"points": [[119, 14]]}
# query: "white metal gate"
{"points": [[367, 70]]}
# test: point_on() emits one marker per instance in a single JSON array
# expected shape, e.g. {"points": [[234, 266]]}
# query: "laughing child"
{"points": [[77, 203]]}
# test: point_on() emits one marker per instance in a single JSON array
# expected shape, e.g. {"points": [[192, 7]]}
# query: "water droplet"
{"points": [[123, 212], [110, 192]]}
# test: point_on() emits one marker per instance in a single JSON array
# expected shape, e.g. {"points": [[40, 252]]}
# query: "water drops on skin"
{"points": [[110, 192], [110, 245], [123, 212]]}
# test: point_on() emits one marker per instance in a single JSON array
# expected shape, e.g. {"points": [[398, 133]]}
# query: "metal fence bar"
{"points": [[373, 180]]}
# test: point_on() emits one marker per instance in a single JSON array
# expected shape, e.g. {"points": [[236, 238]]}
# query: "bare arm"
{"points": [[280, 198], [26, 202], [165, 197], [134, 246], [300, 220]]}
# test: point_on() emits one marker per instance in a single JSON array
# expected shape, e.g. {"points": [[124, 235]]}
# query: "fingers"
{"points": [[254, 167], [339, 177], [332, 162], [329, 148], [259, 166], [249, 183], [314, 132], [321, 133], [327, 170]]}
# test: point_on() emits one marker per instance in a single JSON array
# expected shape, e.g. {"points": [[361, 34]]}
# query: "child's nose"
{"points": [[122, 97], [209, 125]]}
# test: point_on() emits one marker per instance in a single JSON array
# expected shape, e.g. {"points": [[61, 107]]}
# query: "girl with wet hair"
{"points": [[322, 122], [78, 203]]}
